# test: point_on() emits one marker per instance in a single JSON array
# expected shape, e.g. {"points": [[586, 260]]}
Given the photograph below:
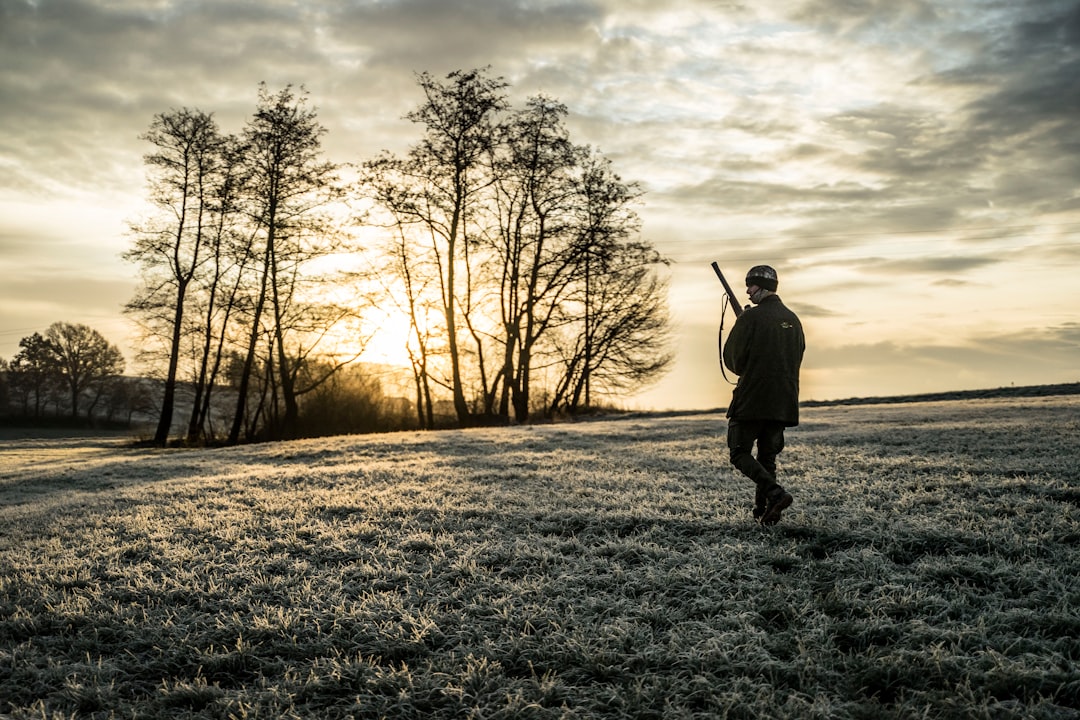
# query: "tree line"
{"points": [[70, 372], [512, 255]]}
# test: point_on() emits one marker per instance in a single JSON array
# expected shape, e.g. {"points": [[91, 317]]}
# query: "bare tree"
{"points": [[437, 187], [34, 373], [405, 289], [84, 359], [625, 346], [289, 186], [5, 387], [521, 229], [606, 222], [229, 255], [618, 331], [171, 248], [537, 257], [227, 263]]}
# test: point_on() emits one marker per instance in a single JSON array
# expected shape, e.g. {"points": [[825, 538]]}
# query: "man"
{"points": [[765, 349]]}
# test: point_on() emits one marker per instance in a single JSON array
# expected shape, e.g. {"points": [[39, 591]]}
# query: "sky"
{"points": [[911, 168]]}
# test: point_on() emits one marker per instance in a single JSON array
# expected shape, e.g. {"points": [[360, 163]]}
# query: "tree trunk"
{"points": [[249, 359], [168, 401]]}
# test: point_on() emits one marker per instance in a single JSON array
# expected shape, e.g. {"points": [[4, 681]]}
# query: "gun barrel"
{"points": [[733, 299]]}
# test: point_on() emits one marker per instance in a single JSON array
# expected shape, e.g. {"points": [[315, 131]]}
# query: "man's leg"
{"points": [[769, 444], [742, 435]]}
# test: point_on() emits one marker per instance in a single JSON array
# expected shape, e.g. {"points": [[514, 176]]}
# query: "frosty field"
{"points": [[929, 568]]}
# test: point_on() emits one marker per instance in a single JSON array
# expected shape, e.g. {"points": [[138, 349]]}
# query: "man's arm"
{"points": [[735, 347]]}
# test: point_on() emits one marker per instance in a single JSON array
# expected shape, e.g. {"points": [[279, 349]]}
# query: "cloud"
{"points": [[809, 310], [1033, 69], [82, 80], [1023, 122], [1033, 356], [942, 265], [976, 126], [105, 296], [1062, 341], [31, 301], [866, 17], [439, 37], [1036, 351]]}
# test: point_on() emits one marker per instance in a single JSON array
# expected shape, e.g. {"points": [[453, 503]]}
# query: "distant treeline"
{"points": [[1002, 392], [70, 376]]}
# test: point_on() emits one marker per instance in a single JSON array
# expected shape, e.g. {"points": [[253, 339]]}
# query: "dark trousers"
{"points": [[742, 435]]}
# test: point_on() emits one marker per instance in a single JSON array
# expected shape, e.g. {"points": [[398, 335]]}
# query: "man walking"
{"points": [[765, 349]]}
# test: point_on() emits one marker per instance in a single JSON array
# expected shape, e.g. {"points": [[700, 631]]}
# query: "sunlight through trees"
{"points": [[512, 253]]}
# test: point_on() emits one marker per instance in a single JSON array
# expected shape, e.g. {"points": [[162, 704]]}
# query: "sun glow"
{"points": [[389, 340]]}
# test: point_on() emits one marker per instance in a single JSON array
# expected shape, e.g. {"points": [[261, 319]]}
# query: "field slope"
{"points": [[930, 567]]}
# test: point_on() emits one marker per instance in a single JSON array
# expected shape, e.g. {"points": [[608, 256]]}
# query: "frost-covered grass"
{"points": [[930, 567]]}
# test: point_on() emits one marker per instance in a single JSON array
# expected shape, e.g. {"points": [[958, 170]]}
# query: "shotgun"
{"points": [[733, 300]]}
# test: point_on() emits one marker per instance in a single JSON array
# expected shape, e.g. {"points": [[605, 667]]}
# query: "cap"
{"points": [[763, 276]]}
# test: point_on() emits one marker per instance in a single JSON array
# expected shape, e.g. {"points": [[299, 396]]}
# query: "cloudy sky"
{"points": [[910, 167]]}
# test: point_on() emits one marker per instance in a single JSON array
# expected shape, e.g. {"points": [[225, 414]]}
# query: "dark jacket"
{"points": [[765, 349]]}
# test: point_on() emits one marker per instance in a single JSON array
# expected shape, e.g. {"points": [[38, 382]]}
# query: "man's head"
{"points": [[760, 283], [763, 276]]}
